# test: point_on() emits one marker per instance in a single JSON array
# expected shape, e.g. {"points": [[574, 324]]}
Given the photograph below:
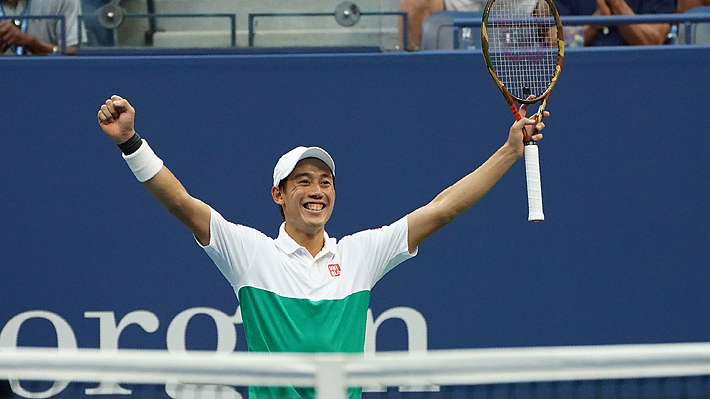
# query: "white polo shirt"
{"points": [[293, 302]]}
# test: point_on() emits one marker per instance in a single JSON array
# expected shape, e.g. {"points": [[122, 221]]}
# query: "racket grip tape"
{"points": [[532, 175]]}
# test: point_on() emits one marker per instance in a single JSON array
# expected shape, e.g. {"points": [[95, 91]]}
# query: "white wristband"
{"points": [[144, 163]]}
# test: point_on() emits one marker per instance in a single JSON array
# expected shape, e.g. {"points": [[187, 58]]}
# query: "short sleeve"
{"points": [[384, 248], [575, 7], [658, 7], [231, 247], [564, 8], [70, 10]]}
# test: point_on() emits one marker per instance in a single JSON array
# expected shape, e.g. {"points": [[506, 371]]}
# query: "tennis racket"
{"points": [[523, 46]]}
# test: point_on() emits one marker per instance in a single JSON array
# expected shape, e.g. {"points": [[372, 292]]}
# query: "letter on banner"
{"points": [[109, 333], [416, 340], [226, 342], [65, 340]]}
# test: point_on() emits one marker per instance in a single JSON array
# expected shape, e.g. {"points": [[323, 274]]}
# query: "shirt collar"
{"points": [[288, 245], [7, 5]]}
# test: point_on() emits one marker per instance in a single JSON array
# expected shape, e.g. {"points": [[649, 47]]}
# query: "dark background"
{"points": [[620, 259]]}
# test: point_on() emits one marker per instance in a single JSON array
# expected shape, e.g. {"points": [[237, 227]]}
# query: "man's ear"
{"points": [[276, 195]]}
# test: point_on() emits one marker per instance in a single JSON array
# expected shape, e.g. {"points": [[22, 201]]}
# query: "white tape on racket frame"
{"points": [[532, 175]]}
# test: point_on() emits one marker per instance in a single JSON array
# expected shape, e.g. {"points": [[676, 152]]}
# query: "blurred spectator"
{"points": [[685, 5], [418, 10], [38, 36], [96, 35], [635, 34]]}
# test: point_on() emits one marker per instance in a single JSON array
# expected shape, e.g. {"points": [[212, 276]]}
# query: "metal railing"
{"points": [[252, 18], [151, 18]]}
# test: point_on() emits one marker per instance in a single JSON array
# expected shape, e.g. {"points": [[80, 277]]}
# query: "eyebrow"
{"points": [[308, 174]]}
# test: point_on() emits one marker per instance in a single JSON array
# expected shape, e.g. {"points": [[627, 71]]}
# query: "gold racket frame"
{"points": [[558, 68]]}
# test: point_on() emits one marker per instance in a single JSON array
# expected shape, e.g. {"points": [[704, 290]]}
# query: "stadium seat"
{"points": [[699, 33], [270, 32], [439, 32]]}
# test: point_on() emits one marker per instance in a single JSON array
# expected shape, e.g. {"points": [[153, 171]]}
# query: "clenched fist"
{"points": [[116, 119]]}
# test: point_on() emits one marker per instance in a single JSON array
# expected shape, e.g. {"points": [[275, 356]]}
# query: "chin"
{"points": [[317, 224]]}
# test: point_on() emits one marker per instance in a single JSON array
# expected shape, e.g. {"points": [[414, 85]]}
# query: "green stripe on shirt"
{"points": [[273, 323]]}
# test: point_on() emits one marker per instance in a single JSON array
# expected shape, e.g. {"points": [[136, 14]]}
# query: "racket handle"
{"points": [[532, 175]]}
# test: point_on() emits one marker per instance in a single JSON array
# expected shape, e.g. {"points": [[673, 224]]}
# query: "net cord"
{"points": [[330, 373]]}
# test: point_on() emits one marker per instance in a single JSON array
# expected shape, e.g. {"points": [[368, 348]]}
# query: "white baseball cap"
{"points": [[288, 161]]}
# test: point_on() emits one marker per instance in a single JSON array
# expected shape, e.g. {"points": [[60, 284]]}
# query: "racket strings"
{"points": [[522, 44]]}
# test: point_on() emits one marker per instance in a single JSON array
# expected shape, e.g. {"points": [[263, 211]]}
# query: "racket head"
{"points": [[523, 47]]}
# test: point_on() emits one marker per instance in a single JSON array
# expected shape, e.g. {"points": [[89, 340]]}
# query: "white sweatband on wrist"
{"points": [[144, 163]]}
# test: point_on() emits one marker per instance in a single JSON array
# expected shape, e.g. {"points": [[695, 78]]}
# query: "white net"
{"points": [[522, 44], [631, 371]]}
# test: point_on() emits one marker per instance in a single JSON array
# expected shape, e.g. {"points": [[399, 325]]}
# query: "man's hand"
{"points": [[602, 8], [116, 118], [11, 35], [591, 31], [523, 131], [619, 7]]}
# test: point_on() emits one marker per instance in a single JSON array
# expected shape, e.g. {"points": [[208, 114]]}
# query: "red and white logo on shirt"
{"points": [[334, 270]]}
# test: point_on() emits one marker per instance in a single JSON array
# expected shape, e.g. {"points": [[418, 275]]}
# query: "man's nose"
{"points": [[317, 192]]}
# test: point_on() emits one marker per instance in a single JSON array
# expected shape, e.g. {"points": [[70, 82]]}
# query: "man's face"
{"points": [[308, 197]]}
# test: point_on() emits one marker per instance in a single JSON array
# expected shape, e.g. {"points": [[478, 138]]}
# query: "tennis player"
{"points": [[304, 291]]}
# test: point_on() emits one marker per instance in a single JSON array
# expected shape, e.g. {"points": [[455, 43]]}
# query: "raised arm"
{"points": [[453, 201], [116, 118]]}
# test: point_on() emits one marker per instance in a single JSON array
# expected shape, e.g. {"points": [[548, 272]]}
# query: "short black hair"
{"points": [[282, 188]]}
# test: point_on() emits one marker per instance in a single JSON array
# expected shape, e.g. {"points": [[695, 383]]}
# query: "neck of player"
{"points": [[312, 241]]}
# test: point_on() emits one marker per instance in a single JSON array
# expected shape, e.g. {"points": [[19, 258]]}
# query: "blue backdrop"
{"points": [[621, 257]]}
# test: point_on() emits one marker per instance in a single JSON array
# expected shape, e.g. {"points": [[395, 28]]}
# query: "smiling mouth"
{"points": [[313, 207]]}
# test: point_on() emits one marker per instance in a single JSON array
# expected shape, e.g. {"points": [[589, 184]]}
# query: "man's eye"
{"points": [[304, 181]]}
